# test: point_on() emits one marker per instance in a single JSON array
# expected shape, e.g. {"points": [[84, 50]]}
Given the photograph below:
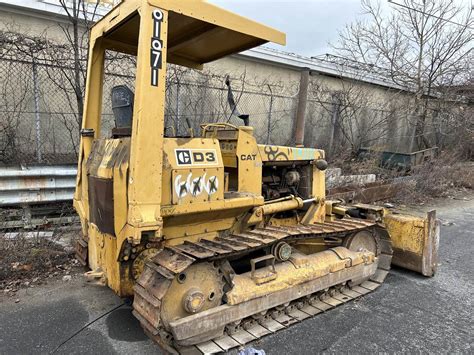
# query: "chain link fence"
{"points": [[40, 119], [40, 122], [194, 103]]}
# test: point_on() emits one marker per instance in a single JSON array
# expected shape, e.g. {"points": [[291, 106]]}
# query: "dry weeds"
{"points": [[27, 261], [446, 176], [442, 178]]}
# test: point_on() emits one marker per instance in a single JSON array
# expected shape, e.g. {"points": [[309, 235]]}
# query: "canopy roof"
{"points": [[198, 32]]}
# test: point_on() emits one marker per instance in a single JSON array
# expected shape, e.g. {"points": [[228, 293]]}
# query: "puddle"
{"points": [[123, 326]]}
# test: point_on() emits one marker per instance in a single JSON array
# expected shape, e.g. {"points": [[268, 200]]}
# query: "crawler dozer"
{"points": [[218, 239]]}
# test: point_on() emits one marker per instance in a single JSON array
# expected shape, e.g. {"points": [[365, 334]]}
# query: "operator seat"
{"points": [[122, 107]]}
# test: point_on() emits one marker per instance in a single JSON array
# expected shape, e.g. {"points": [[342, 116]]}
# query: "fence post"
{"points": [[37, 112], [301, 109], [269, 114], [177, 107]]}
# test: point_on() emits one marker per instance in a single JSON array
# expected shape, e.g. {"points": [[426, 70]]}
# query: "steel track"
{"points": [[159, 272]]}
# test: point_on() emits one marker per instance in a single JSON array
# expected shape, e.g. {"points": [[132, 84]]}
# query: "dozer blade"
{"points": [[415, 241]]}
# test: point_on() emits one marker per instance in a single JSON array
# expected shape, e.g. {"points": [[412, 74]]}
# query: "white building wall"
{"points": [[270, 92]]}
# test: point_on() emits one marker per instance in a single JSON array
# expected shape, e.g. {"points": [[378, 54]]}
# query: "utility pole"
{"points": [[301, 109], [269, 123], [335, 124]]}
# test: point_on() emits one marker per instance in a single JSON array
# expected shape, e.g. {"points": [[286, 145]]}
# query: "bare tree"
{"points": [[12, 106], [356, 114], [422, 45], [17, 50], [81, 16]]}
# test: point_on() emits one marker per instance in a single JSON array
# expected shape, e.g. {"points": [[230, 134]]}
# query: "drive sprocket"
{"points": [[196, 289]]}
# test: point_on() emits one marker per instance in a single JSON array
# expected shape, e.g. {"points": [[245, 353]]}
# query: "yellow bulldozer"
{"points": [[218, 239]]}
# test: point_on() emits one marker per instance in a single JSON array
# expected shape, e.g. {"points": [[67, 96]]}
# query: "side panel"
{"points": [[193, 171], [281, 153], [249, 163], [107, 181], [90, 121]]}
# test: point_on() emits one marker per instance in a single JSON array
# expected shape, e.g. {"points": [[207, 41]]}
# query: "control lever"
{"points": [[191, 130], [233, 105]]}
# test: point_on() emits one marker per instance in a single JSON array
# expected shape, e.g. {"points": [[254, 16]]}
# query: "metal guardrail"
{"points": [[33, 185], [49, 184]]}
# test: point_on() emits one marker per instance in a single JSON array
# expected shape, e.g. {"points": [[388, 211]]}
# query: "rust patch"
{"points": [[172, 260], [407, 259], [101, 203], [118, 132], [81, 249]]}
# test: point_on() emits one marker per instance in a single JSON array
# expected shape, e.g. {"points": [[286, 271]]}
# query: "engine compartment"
{"points": [[281, 179]]}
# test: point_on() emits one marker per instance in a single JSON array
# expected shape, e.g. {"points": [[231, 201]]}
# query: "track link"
{"points": [[160, 271]]}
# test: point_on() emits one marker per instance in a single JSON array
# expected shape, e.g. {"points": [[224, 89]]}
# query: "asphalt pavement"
{"points": [[409, 313]]}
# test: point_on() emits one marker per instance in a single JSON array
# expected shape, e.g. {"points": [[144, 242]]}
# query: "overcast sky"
{"points": [[309, 24]]}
